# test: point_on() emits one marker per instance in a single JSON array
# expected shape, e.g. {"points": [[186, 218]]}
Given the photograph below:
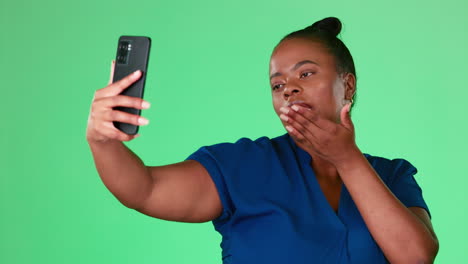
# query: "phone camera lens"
{"points": [[123, 50]]}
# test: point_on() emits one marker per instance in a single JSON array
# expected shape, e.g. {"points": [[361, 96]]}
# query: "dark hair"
{"points": [[325, 32]]}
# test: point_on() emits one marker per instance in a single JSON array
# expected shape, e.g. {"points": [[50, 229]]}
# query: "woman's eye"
{"points": [[276, 86], [306, 74]]}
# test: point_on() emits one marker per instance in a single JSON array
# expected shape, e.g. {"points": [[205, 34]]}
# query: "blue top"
{"points": [[274, 210]]}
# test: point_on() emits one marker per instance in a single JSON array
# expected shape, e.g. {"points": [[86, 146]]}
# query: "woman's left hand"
{"points": [[331, 141]]}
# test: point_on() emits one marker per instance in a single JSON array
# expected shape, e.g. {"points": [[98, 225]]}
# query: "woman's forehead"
{"points": [[291, 51]]}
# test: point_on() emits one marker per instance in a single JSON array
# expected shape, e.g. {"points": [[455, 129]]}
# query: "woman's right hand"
{"points": [[102, 115]]}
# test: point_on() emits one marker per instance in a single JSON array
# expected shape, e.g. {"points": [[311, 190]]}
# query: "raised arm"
{"points": [[178, 192], [182, 192]]}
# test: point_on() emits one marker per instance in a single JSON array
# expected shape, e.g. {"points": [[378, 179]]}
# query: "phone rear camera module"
{"points": [[123, 52]]}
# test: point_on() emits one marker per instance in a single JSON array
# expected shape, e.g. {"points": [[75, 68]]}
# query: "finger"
{"points": [[299, 130], [296, 134], [111, 72], [130, 137], [123, 117], [346, 117], [301, 138], [127, 81], [114, 133], [300, 121], [310, 145], [122, 100], [117, 87], [305, 115]]}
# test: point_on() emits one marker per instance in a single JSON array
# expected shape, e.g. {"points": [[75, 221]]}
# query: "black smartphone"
{"points": [[132, 55]]}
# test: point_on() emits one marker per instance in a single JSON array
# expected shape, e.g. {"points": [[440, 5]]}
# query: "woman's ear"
{"points": [[350, 85]]}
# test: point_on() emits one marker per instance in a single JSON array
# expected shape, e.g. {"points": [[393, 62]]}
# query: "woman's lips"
{"points": [[301, 103]]}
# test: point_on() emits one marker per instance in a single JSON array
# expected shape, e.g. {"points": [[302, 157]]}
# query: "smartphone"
{"points": [[132, 55]]}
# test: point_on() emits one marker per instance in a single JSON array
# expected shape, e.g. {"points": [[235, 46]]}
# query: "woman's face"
{"points": [[303, 70]]}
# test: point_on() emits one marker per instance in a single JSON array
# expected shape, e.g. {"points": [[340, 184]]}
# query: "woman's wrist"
{"points": [[350, 160]]}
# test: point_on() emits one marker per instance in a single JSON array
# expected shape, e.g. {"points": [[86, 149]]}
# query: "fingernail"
{"points": [[284, 117], [284, 110], [295, 107], [289, 128], [143, 121], [136, 73], [145, 105]]}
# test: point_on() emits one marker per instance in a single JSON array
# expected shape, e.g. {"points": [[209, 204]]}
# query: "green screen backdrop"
{"points": [[208, 83]]}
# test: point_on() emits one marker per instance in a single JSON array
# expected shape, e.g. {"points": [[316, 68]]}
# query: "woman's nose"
{"points": [[291, 90]]}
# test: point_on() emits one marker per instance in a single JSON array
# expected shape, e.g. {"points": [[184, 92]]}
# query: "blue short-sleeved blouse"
{"points": [[275, 212]]}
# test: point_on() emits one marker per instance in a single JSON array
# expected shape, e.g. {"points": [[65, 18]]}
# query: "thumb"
{"points": [[111, 72], [346, 117]]}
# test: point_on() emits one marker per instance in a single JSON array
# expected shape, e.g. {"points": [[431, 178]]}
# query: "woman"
{"points": [[308, 196]]}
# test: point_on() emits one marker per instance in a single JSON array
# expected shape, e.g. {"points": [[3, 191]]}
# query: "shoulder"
{"points": [[396, 165], [244, 151], [245, 145], [391, 169]]}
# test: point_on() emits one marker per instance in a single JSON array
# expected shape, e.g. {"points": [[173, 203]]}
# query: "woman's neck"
{"points": [[324, 170]]}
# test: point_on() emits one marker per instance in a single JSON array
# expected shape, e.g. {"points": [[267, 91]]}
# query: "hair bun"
{"points": [[329, 25]]}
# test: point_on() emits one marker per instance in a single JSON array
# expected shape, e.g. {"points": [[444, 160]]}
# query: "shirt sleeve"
{"points": [[207, 156], [405, 187]]}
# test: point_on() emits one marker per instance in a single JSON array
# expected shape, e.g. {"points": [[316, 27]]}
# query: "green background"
{"points": [[208, 83]]}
